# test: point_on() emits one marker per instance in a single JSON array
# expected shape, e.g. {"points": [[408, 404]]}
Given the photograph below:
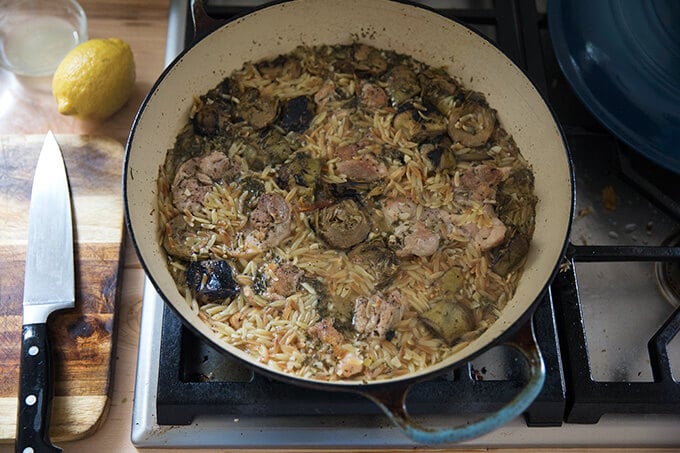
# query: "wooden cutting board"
{"points": [[83, 338]]}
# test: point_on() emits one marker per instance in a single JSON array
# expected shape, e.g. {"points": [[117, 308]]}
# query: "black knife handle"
{"points": [[35, 392]]}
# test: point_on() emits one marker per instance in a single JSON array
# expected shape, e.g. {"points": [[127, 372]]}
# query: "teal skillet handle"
{"points": [[393, 401]]}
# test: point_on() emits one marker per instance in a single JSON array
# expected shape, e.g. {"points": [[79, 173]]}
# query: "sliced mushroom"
{"points": [[174, 239], [301, 169], [447, 319], [440, 153], [368, 60], [472, 123], [473, 155], [377, 259], [211, 281], [452, 281], [338, 308], [286, 67], [259, 111], [212, 118], [516, 201], [296, 114], [511, 255], [419, 121], [269, 147], [439, 88], [342, 225], [402, 84], [251, 188]]}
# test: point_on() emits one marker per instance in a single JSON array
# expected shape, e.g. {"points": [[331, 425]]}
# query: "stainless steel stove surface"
{"points": [[606, 327]]}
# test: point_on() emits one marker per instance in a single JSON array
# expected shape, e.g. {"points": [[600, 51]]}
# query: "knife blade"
{"points": [[49, 285]]}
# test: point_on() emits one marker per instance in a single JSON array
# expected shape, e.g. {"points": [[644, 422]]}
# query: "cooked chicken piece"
{"points": [[480, 183], [325, 94], [236, 320], [365, 168], [377, 314], [417, 235], [324, 331], [283, 281], [269, 224], [487, 237], [271, 210], [398, 210], [349, 365], [402, 210], [419, 241], [487, 232], [195, 178], [372, 97], [347, 152], [356, 166]]}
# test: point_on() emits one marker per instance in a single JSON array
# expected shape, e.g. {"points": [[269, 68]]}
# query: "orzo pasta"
{"points": [[345, 212]]}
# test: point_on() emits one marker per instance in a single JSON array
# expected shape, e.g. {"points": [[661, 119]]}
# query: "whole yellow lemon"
{"points": [[95, 79]]}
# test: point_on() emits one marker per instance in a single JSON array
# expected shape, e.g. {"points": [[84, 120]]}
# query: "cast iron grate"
{"points": [[588, 399]]}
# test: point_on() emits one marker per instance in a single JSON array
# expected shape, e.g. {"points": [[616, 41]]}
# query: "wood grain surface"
{"points": [[83, 338]]}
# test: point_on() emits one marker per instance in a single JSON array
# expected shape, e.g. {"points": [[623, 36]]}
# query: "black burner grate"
{"points": [[588, 399]]}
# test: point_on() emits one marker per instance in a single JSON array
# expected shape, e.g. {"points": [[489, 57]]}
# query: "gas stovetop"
{"points": [[606, 328]]}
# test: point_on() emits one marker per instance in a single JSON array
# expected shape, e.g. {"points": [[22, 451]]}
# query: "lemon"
{"points": [[95, 79]]}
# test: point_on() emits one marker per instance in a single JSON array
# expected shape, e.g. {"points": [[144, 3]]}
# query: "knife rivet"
{"points": [[30, 400], [33, 350], [28, 450]]}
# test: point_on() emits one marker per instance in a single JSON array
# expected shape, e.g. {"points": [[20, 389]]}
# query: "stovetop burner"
{"points": [[606, 331]]}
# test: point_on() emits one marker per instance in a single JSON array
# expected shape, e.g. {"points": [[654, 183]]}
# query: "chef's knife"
{"points": [[48, 286]]}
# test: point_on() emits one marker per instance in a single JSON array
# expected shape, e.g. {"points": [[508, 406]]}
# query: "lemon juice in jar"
{"points": [[35, 37]]}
